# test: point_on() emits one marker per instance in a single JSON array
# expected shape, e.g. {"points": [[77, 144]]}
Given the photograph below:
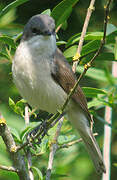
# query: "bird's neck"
{"points": [[44, 46]]}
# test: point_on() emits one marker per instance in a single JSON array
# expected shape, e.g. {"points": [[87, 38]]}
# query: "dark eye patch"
{"points": [[36, 31]]}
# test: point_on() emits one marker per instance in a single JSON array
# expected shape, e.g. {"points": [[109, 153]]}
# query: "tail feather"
{"points": [[94, 151]]}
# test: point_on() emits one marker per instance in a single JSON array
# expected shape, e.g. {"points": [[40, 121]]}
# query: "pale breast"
{"points": [[35, 84]]}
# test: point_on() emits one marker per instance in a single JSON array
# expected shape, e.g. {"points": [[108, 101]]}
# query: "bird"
{"points": [[44, 78]]}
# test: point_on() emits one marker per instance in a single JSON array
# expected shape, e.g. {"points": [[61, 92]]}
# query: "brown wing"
{"points": [[64, 76]]}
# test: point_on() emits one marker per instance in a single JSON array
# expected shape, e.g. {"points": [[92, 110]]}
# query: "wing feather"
{"points": [[64, 76]]}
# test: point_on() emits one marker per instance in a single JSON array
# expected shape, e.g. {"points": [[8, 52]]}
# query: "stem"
{"points": [[28, 154], [17, 158], [8, 168], [73, 142], [86, 23], [53, 149]]}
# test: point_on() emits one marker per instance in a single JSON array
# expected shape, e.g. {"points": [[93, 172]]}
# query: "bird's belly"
{"points": [[38, 88], [46, 96]]}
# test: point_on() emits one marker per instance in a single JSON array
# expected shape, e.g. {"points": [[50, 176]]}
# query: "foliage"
{"points": [[75, 163]]}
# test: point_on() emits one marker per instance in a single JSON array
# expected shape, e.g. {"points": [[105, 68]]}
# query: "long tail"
{"points": [[93, 150]]}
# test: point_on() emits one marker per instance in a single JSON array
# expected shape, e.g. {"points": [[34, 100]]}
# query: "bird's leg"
{"points": [[41, 130], [32, 135]]}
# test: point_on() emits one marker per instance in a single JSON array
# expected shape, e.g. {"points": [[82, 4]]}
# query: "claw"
{"points": [[32, 134]]}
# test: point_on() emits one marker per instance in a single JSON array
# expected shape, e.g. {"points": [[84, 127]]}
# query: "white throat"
{"points": [[41, 45]]}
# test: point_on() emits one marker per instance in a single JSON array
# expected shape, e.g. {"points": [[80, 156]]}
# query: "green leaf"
{"points": [[60, 43], [38, 172], [64, 17], [115, 164], [110, 29], [21, 104], [90, 47], [95, 103], [109, 76], [93, 73], [89, 36], [24, 132], [62, 11], [73, 39], [15, 134], [65, 139], [3, 55], [47, 11], [70, 52], [64, 25], [27, 129], [8, 40], [8, 18], [92, 92], [94, 35], [11, 104], [14, 4], [59, 176], [44, 145], [105, 56], [111, 38], [18, 107], [17, 37]]}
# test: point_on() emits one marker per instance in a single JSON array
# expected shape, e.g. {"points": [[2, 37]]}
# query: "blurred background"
{"points": [[72, 163]]}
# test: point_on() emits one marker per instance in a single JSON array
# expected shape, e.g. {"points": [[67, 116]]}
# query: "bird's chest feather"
{"points": [[34, 82]]}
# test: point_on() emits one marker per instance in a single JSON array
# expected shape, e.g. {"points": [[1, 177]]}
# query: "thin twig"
{"points": [[26, 117], [53, 150], [8, 168], [28, 154], [85, 26], [58, 28], [73, 142]]}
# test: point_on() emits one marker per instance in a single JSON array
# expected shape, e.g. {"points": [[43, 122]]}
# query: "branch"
{"points": [[87, 19], [73, 142], [28, 154], [8, 168], [18, 160], [53, 149]]}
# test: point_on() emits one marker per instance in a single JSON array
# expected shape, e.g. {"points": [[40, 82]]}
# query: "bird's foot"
{"points": [[36, 135]]}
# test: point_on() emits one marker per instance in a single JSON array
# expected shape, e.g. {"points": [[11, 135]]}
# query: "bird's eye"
{"points": [[36, 31]]}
